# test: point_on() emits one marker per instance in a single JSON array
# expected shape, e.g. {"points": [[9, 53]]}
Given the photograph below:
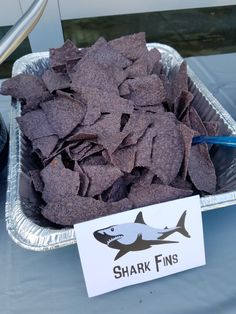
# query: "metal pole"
{"points": [[21, 29]]}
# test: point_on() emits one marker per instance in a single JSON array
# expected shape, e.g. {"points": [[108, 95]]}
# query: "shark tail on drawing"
{"points": [[181, 225]]}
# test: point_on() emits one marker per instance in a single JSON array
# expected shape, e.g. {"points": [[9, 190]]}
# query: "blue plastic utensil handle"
{"points": [[229, 141]]}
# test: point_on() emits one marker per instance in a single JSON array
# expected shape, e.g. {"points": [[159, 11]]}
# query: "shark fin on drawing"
{"points": [[181, 225], [139, 219], [120, 254]]}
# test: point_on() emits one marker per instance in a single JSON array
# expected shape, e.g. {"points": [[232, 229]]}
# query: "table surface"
{"points": [[52, 282]]}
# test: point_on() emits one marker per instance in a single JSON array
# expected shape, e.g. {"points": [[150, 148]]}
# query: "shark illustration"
{"points": [[137, 236]]}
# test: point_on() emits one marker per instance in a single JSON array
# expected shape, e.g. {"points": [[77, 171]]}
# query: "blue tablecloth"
{"points": [[52, 282]]}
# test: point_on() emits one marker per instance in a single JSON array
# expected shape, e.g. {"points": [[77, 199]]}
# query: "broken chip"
{"points": [[63, 114]]}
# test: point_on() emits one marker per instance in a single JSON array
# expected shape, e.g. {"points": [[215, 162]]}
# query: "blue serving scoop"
{"points": [[229, 141]]}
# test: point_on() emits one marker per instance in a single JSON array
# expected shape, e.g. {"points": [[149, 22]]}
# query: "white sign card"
{"points": [[141, 244]]}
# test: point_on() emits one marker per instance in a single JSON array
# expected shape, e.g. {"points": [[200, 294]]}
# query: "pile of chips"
{"points": [[112, 130]]}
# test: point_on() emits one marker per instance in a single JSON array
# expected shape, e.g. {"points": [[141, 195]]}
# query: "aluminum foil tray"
{"points": [[24, 222]]}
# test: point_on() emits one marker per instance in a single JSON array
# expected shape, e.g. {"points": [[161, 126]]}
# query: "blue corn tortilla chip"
{"points": [[44, 146], [146, 178], [33, 102], [168, 148], [138, 69], [196, 122], [144, 65], [94, 150], [106, 102], [59, 181], [95, 160], [124, 88], [124, 158], [78, 152], [96, 75], [23, 86], [201, 169], [136, 126], [84, 180], [101, 177], [74, 209], [106, 130], [147, 91], [153, 58], [178, 78], [212, 127], [55, 81], [119, 189], [98, 101], [37, 180], [154, 109], [181, 183], [63, 114], [103, 52], [182, 103], [130, 46], [60, 56], [187, 135], [155, 193], [186, 118], [144, 148], [35, 125]]}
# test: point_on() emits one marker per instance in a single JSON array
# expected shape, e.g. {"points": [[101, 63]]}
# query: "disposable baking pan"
{"points": [[24, 222]]}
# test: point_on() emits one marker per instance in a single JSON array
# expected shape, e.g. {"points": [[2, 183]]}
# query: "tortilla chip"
{"points": [[155, 193], [45, 145], [60, 56], [98, 101], [94, 75], [138, 69], [84, 180], [103, 52], [186, 118], [154, 109], [168, 148], [37, 180], [136, 127], [147, 91], [118, 191], [59, 181], [107, 130], [94, 160], [212, 128], [34, 124], [182, 103], [124, 88], [78, 152], [144, 65], [181, 183], [145, 179], [101, 177], [179, 81], [74, 209], [55, 81], [130, 46], [188, 135], [23, 86], [144, 148], [33, 102], [201, 169], [196, 122], [63, 114], [124, 158], [153, 58]]}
